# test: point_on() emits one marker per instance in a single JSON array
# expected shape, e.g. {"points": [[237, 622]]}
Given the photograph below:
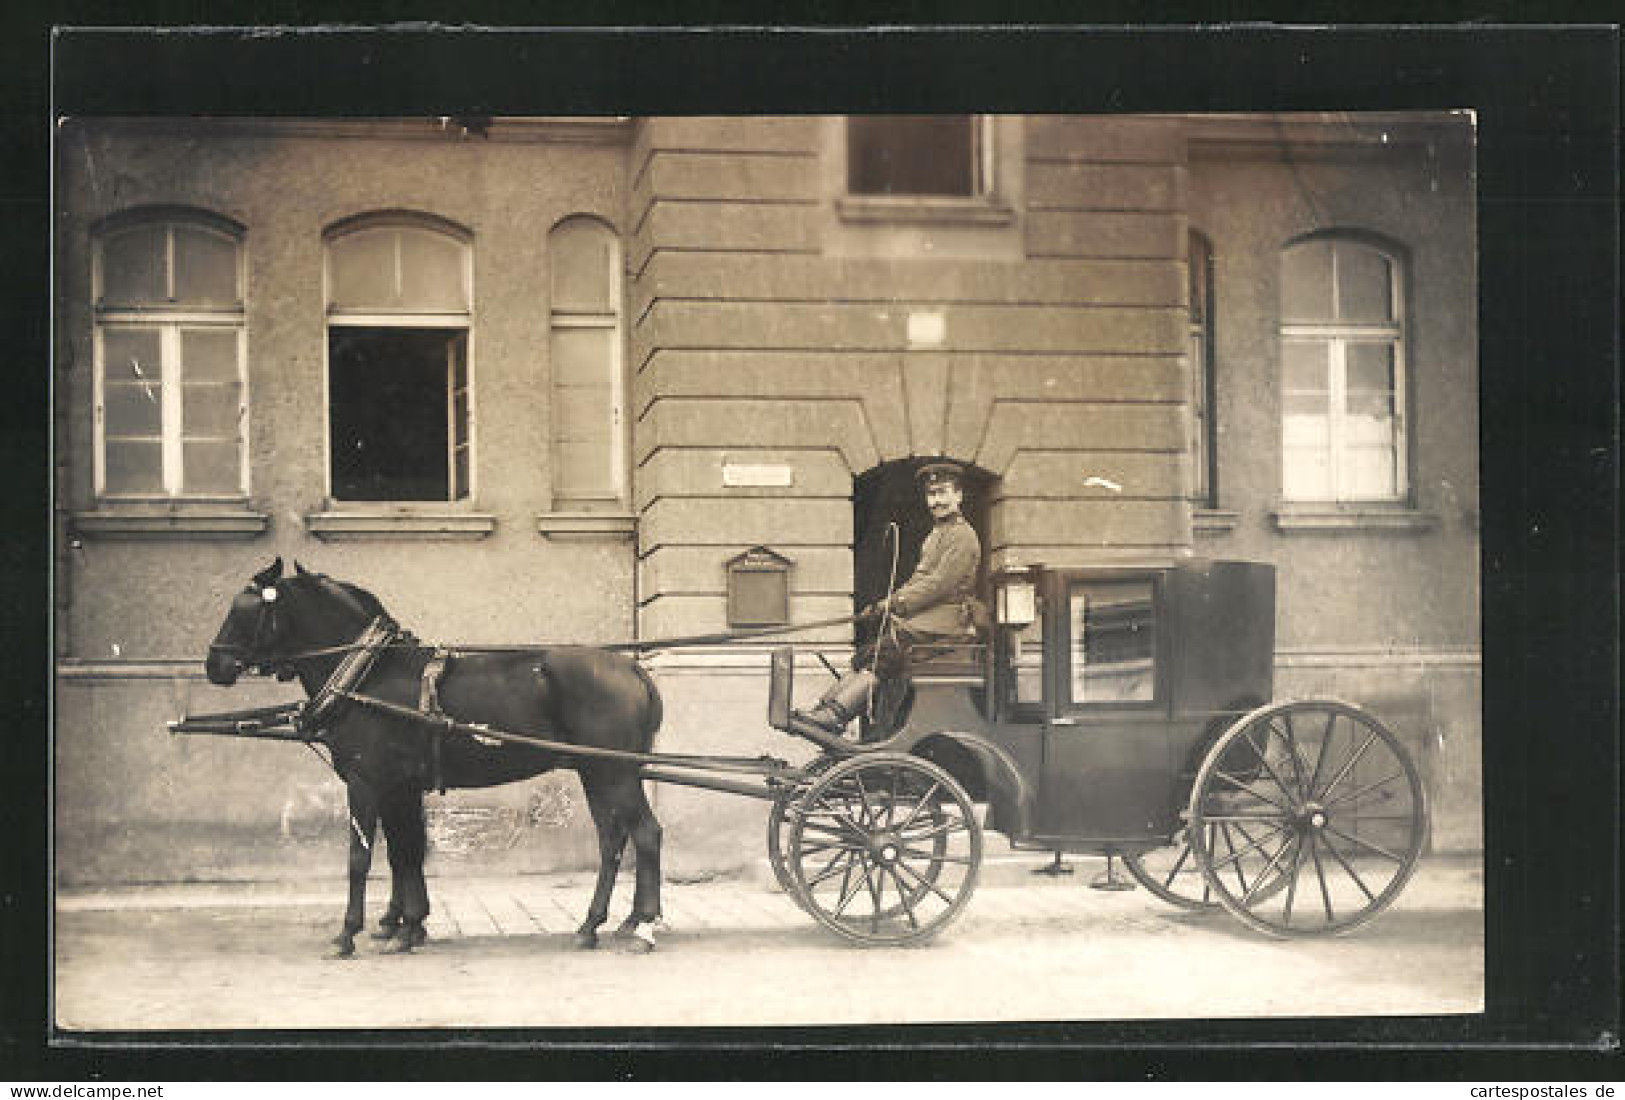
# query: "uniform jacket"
{"points": [[940, 596]]}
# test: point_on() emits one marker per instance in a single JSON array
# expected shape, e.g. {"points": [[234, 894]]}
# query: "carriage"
{"points": [[1118, 711]]}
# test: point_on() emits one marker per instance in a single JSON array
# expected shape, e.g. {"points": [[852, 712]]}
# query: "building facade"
{"points": [[545, 380]]}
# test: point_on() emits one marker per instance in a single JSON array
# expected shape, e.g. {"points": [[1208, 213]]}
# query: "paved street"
{"points": [[738, 953]]}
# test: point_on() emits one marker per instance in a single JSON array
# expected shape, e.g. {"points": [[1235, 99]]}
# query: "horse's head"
{"points": [[275, 620]]}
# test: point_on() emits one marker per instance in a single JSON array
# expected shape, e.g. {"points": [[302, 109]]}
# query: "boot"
{"points": [[847, 698]]}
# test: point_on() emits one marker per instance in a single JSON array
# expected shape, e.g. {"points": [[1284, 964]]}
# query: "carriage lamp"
{"points": [[268, 594], [1017, 601]]}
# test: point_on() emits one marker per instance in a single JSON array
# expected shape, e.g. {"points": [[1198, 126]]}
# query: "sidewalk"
{"points": [[554, 904]]}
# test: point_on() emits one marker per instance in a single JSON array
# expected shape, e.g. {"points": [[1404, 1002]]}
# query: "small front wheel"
{"points": [[885, 848]]}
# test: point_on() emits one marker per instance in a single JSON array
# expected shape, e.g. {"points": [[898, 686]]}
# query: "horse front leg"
{"points": [[611, 843], [363, 813], [407, 836]]}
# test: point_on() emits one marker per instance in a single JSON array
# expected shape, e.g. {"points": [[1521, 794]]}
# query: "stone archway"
{"points": [[888, 493]]}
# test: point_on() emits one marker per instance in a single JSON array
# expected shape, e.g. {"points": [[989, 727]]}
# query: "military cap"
{"points": [[932, 472]]}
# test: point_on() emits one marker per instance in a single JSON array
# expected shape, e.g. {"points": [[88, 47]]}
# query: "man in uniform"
{"points": [[936, 607]]}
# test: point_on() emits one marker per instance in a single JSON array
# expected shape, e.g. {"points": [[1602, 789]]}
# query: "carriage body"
{"points": [[1127, 711]]}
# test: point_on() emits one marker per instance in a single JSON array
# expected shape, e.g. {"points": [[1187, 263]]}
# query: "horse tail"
{"points": [[657, 708]]}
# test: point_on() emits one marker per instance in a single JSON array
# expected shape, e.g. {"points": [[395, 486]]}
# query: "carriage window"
{"points": [[398, 380], [1342, 373], [1026, 657], [1112, 640], [170, 374]]}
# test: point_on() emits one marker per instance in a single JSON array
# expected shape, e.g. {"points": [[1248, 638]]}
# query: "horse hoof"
{"points": [[343, 948], [637, 945], [585, 941], [396, 945]]}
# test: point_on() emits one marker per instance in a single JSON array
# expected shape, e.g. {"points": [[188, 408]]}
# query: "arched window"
{"points": [[1342, 371], [589, 453], [1204, 440], [400, 424], [170, 370]]}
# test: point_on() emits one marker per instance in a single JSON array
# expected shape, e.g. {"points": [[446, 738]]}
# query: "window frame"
{"points": [[444, 320], [1063, 638], [612, 320], [1337, 336], [1203, 374], [170, 320], [987, 206]]}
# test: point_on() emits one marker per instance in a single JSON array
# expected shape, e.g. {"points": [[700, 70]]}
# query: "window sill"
{"points": [[1310, 519], [1213, 521], [922, 210], [179, 522], [587, 526], [424, 525]]}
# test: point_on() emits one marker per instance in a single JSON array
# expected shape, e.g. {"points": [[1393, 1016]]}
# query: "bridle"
{"points": [[249, 654]]}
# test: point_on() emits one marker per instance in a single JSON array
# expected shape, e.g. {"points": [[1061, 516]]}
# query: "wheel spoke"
{"points": [[918, 806], [1261, 818], [923, 881], [1320, 757], [875, 890], [828, 870], [1184, 854], [1292, 883], [1247, 736], [1379, 849], [1367, 789], [1239, 785], [1332, 848], [936, 857], [1231, 844], [1320, 873], [1298, 763], [863, 796], [1264, 875], [849, 890], [1252, 847], [952, 825], [902, 894], [1348, 766]]}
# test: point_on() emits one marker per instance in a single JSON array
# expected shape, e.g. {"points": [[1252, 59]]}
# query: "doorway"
{"points": [[889, 494]]}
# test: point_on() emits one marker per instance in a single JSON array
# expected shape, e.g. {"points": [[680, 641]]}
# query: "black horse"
{"points": [[305, 627]]}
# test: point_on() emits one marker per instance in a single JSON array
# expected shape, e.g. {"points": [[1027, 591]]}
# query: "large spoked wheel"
{"points": [[1172, 874], [778, 833], [884, 848], [1307, 818]]}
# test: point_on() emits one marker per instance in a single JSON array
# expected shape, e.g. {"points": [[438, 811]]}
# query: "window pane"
{"points": [[1306, 474], [212, 466], [1113, 643], [208, 410], [1370, 367], [131, 355], [583, 267], [132, 410], [1027, 657], [431, 271], [1197, 269], [582, 356], [1368, 473], [133, 266], [205, 267], [1304, 366], [388, 392], [581, 467], [911, 155], [209, 355], [582, 414], [361, 270], [1364, 284], [135, 466], [1306, 282]]}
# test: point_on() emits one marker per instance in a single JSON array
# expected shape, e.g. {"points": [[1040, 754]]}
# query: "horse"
{"points": [[307, 626]]}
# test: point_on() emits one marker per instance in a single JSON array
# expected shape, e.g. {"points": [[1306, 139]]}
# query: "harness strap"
{"points": [[429, 704], [363, 654]]}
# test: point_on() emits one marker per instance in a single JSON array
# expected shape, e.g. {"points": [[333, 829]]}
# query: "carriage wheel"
{"points": [[1307, 818], [1172, 874], [885, 849]]}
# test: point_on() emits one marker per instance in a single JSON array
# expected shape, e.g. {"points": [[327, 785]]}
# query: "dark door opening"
{"points": [[890, 494]]}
